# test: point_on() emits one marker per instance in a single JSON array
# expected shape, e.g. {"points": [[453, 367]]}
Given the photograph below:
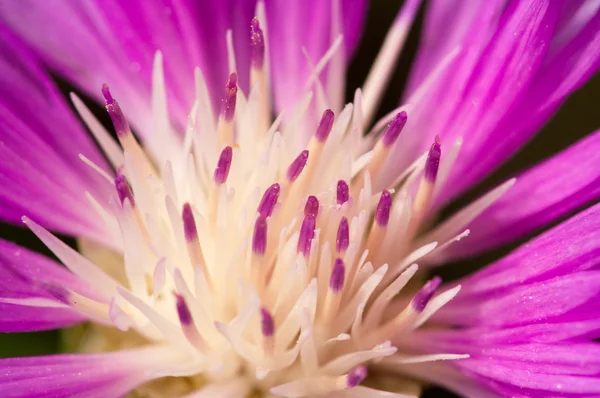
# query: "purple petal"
{"points": [[93, 375], [25, 274], [41, 174], [548, 191]]}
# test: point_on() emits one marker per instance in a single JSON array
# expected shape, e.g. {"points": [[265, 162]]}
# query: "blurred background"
{"points": [[579, 116]]}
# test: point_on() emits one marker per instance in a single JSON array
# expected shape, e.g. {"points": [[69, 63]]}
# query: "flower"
{"points": [[229, 254]]}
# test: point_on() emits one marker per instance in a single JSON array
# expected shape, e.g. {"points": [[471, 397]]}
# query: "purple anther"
{"points": [[183, 311], [115, 113], [123, 188], [307, 233], [107, 95], [58, 292], [257, 45], [343, 192], [419, 302], [267, 323], [189, 223], [394, 128], [297, 166], [338, 275], [343, 236], [312, 206], [223, 165], [325, 125], [269, 200], [229, 99], [382, 214], [356, 376], [259, 238], [433, 160]]}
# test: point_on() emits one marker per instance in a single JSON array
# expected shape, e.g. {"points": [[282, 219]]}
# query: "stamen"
{"points": [[343, 236], [268, 331], [382, 214], [312, 206], [223, 165], [189, 223], [336, 282], [343, 192], [229, 99], [259, 239], [394, 128], [419, 302], [185, 317], [297, 166], [123, 188], [257, 44], [325, 125], [115, 112], [356, 376], [307, 233], [269, 200], [433, 160], [186, 321]]}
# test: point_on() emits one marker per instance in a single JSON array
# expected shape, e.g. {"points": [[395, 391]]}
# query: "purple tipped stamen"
{"points": [[356, 376], [107, 95], [307, 233], [269, 200], [297, 166], [325, 125], [394, 129], [267, 323], [123, 189], [338, 275], [183, 311], [343, 192], [257, 44], [229, 99], [115, 113], [223, 165], [58, 292], [189, 223], [433, 160], [382, 214], [343, 236], [419, 302], [259, 239], [312, 206]]}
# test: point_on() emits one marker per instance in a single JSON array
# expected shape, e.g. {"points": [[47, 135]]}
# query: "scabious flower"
{"points": [[263, 239]]}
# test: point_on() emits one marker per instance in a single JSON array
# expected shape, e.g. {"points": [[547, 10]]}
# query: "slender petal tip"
{"points": [[229, 99], [189, 223], [123, 188], [257, 45], [297, 166], [343, 192], [269, 200], [343, 236], [312, 206], [183, 311], [382, 214], [423, 296], [223, 165], [307, 233], [433, 160], [338, 274], [107, 95], [259, 238], [267, 323], [325, 125], [394, 129], [356, 376]]}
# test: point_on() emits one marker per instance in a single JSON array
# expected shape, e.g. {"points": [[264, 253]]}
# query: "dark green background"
{"points": [[577, 118]]}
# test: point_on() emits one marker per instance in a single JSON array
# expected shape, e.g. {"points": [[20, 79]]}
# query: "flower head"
{"points": [[279, 256]]}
